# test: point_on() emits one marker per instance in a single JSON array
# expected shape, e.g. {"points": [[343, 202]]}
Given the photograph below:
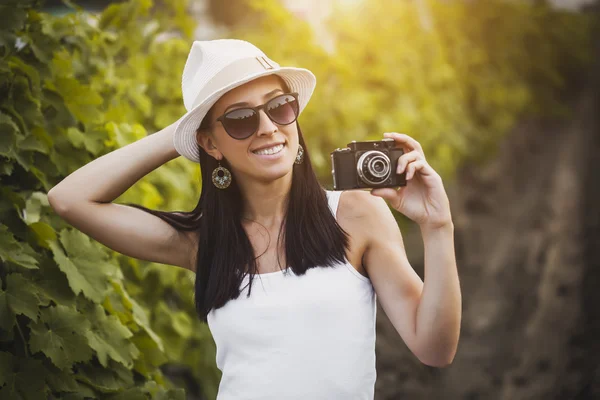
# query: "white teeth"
{"points": [[270, 150]]}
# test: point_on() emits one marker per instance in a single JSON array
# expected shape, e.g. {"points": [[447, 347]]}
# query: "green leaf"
{"points": [[61, 335], [18, 65], [106, 380], [124, 134], [17, 118], [84, 392], [167, 394], [87, 268], [22, 296], [182, 324], [44, 233], [23, 378], [150, 355], [6, 366], [81, 100], [6, 167], [24, 159], [79, 245], [7, 316], [42, 43], [134, 393], [12, 18], [8, 134], [26, 104], [59, 380], [31, 143], [53, 284], [11, 251], [56, 109], [91, 283], [8, 40], [42, 177], [91, 141], [108, 337], [164, 324], [15, 199], [7, 336], [7, 125], [127, 309]]}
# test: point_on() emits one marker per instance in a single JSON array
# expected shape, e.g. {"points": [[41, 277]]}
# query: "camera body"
{"points": [[368, 164]]}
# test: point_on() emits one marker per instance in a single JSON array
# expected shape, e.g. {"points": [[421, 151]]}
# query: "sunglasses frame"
{"points": [[257, 111]]}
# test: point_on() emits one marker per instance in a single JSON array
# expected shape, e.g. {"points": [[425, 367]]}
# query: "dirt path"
{"points": [[528, 249]]}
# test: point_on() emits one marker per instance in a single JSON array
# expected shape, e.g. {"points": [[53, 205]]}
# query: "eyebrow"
{"points": [[243, 103]]}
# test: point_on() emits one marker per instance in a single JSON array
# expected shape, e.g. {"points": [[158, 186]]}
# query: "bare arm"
{"points": [[84, 200], [425, 314]]}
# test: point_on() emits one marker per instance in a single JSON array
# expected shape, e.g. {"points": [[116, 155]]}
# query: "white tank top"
{"points": [[298, 337]]}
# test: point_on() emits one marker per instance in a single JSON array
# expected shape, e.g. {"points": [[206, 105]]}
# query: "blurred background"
{"points": [[503, 96]]}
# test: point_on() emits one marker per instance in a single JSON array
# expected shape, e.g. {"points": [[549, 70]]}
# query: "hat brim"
{"points": [[299, 80]]}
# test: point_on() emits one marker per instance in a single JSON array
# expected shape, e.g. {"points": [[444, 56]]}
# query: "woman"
{"points": [[321, 258]]}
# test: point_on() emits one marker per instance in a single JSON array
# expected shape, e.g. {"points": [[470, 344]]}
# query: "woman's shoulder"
{"points": [[359, 209], [360, 204]]}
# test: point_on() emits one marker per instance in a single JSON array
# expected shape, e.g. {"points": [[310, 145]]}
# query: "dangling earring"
{"points": [[300, 155], [221, 177]]}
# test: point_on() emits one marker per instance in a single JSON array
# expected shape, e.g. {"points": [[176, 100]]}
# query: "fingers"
{"points": [[386, 193], [406, 158], [409, 142], [421, 166]]}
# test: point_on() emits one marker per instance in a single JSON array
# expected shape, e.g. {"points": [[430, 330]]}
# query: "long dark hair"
{"points": [[311, 234]]}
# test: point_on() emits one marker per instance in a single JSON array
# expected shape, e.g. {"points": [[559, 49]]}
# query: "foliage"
{"points": [[456, 84], [230, 13], [76, 319]]}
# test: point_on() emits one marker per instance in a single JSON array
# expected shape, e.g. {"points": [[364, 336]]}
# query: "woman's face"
{"points": [[242, 154]]}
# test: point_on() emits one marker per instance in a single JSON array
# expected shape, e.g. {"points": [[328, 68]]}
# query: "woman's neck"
{"points": [[266, 202]]}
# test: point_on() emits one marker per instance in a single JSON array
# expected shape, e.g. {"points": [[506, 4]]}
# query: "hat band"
{"points": [[232, 73]]}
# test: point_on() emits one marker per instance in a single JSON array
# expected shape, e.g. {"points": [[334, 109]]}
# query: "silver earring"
{"points": [[300, 155], [221, 177]]}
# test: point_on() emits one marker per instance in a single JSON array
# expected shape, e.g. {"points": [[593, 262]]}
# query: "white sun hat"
{"points": [[214, 67]]}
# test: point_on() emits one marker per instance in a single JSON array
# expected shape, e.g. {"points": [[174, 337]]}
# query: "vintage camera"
{"points": [[368, 164]]}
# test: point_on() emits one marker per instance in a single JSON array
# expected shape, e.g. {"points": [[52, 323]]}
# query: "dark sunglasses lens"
{"points": [[241, 123], [283, 109]]}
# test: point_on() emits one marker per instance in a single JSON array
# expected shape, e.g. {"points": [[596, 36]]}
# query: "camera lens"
{"points": [[373, 167], [377, 167]]}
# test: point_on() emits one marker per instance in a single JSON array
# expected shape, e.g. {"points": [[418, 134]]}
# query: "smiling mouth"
{"points": [[269, 151]]}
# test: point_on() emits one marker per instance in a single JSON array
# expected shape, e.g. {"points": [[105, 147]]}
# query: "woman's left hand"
{"points": [[423, 199]]}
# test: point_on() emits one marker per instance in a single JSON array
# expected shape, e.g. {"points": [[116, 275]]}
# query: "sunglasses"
{"points": [[242, 123]]}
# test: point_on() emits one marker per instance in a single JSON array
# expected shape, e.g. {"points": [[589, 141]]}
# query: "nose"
{"points": [[266, 127]]}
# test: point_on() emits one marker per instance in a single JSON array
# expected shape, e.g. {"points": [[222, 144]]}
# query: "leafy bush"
{"points": [[76, 319], [457, 85]]}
